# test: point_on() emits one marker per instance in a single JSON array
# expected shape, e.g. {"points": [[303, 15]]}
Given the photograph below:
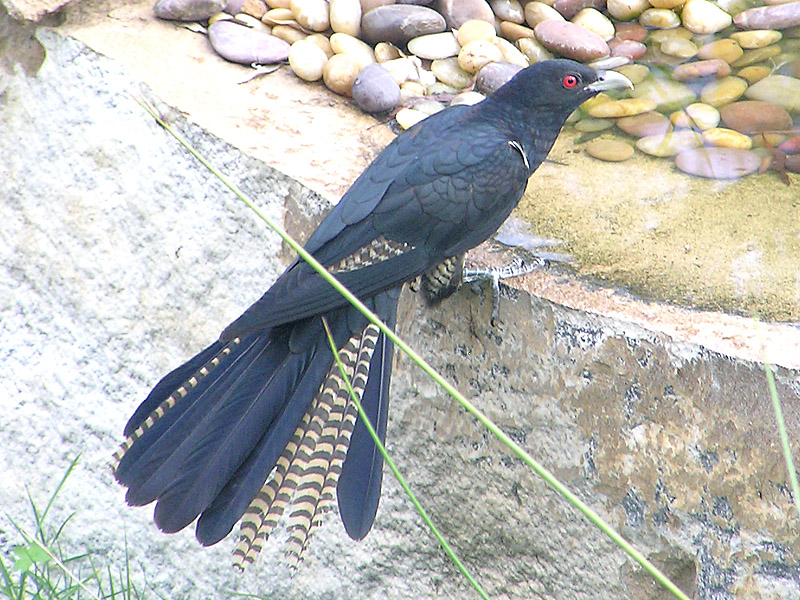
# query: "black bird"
{"points": [[260, 421]]}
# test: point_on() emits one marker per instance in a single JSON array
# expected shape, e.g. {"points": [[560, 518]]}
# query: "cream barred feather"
{"points": [[308, 470], [167, 404]]}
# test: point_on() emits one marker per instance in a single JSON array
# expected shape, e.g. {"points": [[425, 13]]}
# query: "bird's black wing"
{"points": [[439, 191]]}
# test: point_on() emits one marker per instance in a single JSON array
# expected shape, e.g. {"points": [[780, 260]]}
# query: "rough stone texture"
{"points": [[119, 257]]}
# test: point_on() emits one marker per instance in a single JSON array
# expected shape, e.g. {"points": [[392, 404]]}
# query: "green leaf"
{"points": [[27, 556]]}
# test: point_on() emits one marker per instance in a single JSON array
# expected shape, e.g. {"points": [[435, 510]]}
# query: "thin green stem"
{"points": [[787, 448], [590, 514], [396, 472]]}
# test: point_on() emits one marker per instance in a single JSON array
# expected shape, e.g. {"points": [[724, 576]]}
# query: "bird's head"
{"points": [[557, 86]]}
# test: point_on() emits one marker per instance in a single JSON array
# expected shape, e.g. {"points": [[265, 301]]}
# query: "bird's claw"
{"points": [[493, 275]]}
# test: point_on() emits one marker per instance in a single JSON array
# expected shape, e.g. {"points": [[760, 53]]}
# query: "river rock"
{"points": [[609, 150], [659, 18], [475, 29], [754, 73], [723, 91], [447, 71], [538, 12], [399, 23], [622, 108], [779, 16], [307, 60], [668, 95], [514, 31], [677, 46], [728, 50], [704, 17], [345, 17], [375, 90], [362, 53], [570, 8], [571, 41], [311, 14], [754, 116], [627, 48], [757, 38], [778, 89], [757, 55], [478, 53], [625, 10], [508, 10], [669, 144], [408, 117], [435, 45], [596, 22], [701, 68], [533, 50], [339, 73], [495, 74], [243, 45], [644, 125], [718, 163], [187, 10], [726, 138], [458, 12]]}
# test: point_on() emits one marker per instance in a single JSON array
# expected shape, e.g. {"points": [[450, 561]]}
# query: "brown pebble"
{"points": [[571, 41], [754, 116], [609, 150], [645, 124], [780, 16], [701, 68]]}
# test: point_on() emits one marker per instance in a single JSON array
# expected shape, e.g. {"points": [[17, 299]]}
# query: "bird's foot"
{"points": [[495, 274]]}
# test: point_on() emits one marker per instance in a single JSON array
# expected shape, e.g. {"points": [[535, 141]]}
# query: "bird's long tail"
{"points": [[263, 426]]}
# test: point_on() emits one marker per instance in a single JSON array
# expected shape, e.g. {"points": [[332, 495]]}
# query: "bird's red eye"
{"points": [[569, 81]]}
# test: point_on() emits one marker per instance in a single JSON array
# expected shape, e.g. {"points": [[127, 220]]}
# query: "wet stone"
{"points": [[571, 41], [591, 125], [399, 23], [668, 95], [754, 73], [701, 68], [243, 45], [778, 89], [570, 8], [700, 116], [669, 144], [625, 10], [636, 73], [659, 18], [779, 16], [538, 12], [757, 55], [727, 50], [314, 15], [375, 90], [596, 22], [726, 138], [704, 17], [622, 108], [723, 91], [644, 125], [408, 117], [753, 116], [609, 150], [627, 48], [757, 38], [187, 10], [679, 47], [718, 163], [494, 75]]}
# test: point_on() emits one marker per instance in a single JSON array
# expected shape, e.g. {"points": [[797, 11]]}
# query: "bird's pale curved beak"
{"points": [[609, 80]]}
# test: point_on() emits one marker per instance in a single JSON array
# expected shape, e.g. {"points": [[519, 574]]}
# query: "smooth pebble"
{"points": [[307, 60], [778, 89], [726, 138], [435, 45], [375, 90], [723, 91], [571, 41], [609, 150], [644, 125], [187, 10], [668, 144], [246, 46], [718, 163]]}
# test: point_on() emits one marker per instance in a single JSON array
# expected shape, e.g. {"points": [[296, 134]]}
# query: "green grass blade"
{"points": [[396, 472], [784, 436], [591, 515]]}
